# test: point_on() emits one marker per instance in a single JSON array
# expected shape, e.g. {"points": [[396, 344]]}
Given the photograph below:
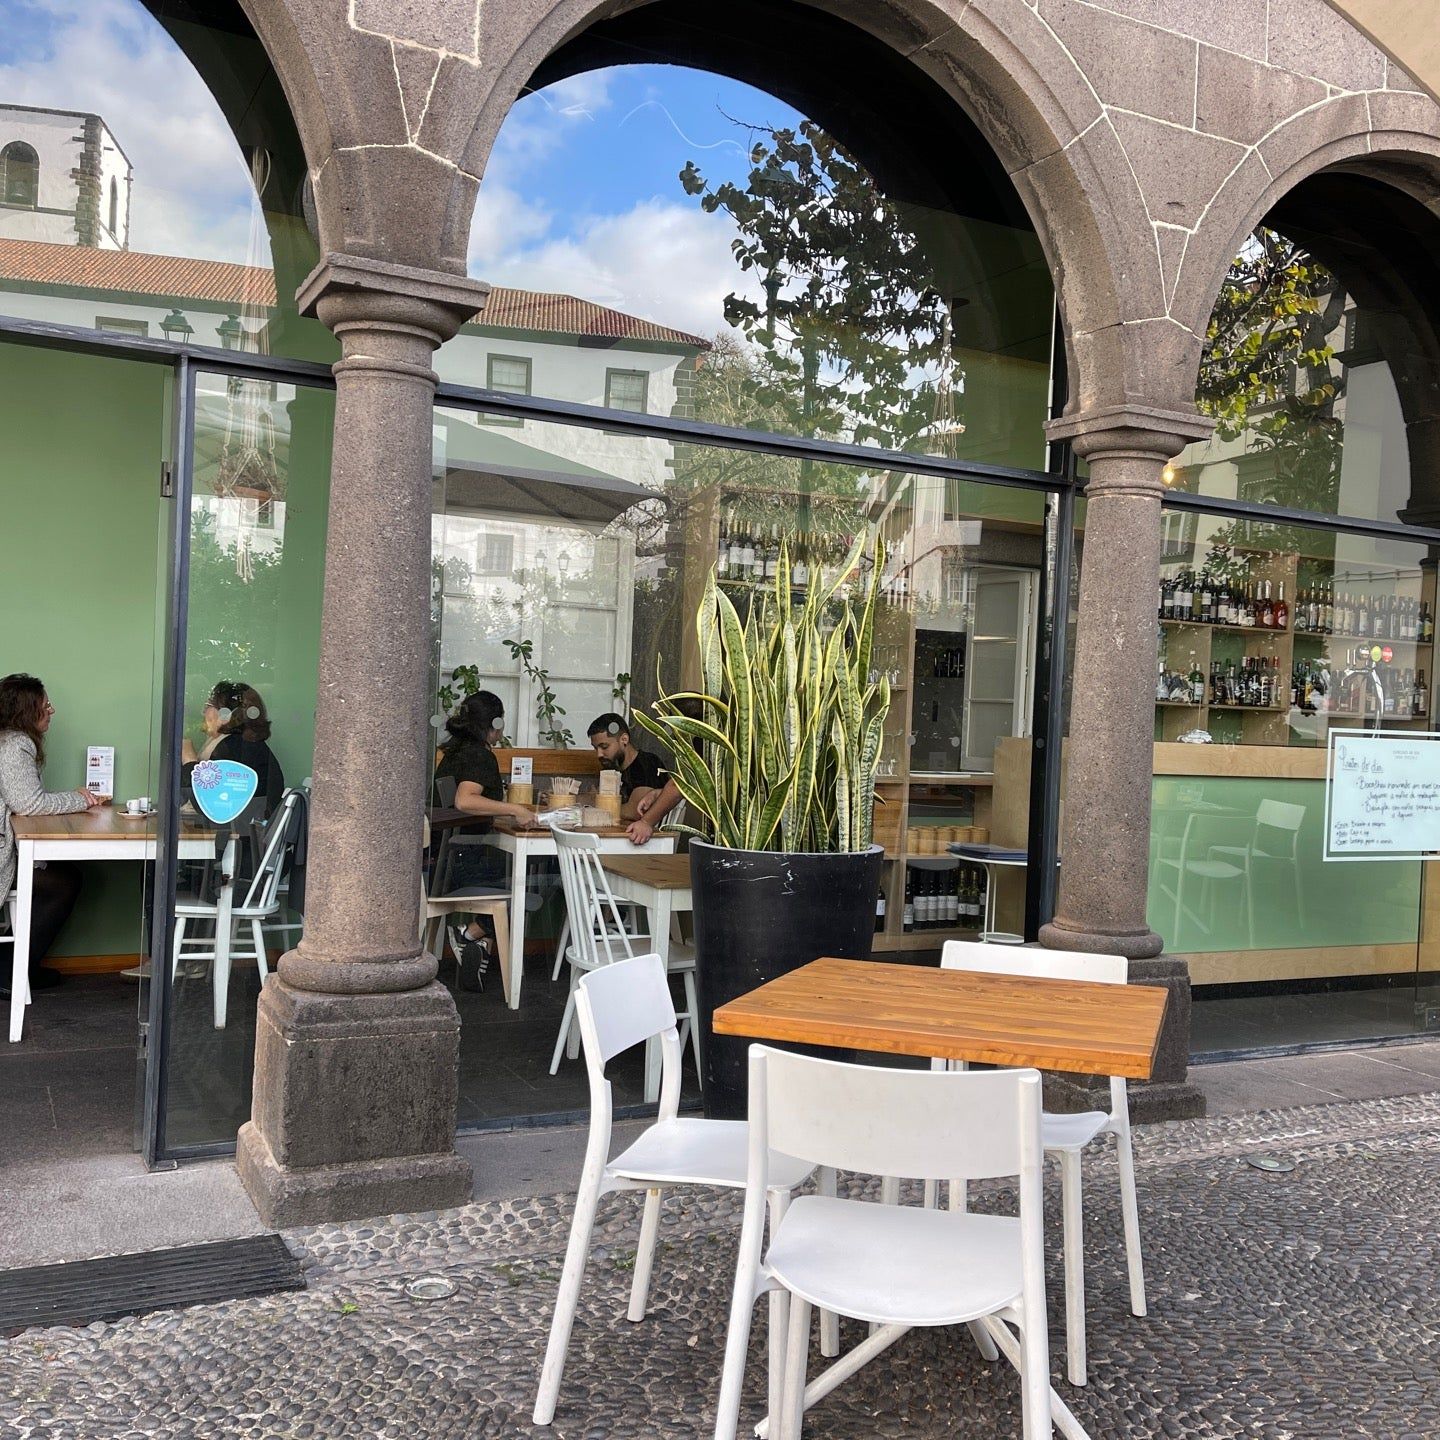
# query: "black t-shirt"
{"points": [[473, 761], [642, 773]]}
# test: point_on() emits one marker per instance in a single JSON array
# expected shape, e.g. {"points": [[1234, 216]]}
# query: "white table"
{"points": [[524, 845], [99, 834], [660, 885]]}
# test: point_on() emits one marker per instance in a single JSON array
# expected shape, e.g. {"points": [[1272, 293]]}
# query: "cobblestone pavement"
{"points": [[1298, 1305]]}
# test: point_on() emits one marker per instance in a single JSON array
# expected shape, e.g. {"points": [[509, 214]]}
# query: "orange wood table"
{"points": [[1071, 1025]]}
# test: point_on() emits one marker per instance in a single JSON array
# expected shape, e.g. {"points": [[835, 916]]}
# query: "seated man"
{"points": [[640, 771]]}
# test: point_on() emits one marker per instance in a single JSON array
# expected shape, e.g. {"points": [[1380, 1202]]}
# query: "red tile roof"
{"points": [[176, 278]]}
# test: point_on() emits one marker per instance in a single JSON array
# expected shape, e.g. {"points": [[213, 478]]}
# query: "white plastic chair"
{"points": [[1273, 818], [261, 903], [1067, 1135], [598, 936], [621, 1005], [895, 1267]]}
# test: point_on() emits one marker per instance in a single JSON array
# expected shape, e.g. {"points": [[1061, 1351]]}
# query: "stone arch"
{"points": [[1008, 72], [1331, 137]]}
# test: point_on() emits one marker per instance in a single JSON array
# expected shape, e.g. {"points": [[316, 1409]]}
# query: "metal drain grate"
{"points": [[84, 1291]]}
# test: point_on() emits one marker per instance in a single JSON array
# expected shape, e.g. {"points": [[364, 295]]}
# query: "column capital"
{"points": [[1138, 432], [347, 291]]}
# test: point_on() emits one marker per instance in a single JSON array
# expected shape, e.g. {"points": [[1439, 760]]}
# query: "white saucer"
{"points": [[134, 815]]}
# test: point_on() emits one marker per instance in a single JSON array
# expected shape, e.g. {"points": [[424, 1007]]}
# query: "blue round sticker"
{"points": [[223, 788]]}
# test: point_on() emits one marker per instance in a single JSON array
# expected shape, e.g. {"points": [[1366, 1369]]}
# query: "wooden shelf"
{"points": [[1229, 629], [1362, 639]]}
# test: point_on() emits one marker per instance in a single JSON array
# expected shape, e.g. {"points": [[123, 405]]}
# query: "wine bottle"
{"points": [[908, 914]]}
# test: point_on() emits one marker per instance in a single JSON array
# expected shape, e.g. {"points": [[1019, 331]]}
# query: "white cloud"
{"points": [[666, 262], [192, 192]]}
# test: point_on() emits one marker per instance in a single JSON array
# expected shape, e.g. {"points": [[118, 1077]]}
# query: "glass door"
{"points": [[247, 566]]}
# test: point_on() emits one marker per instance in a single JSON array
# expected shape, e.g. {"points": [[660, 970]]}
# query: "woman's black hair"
{"points": [[474, 719], [247, 717]]}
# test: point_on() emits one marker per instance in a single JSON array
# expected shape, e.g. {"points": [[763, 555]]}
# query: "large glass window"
{"points": [[1275, 636], [256, 563], [568, 575]]}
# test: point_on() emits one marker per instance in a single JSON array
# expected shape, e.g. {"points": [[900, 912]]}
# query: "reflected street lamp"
{"points": [[177, 328]]}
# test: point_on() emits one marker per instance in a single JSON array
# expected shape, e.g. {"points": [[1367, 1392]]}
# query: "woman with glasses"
{"points": [[25, 715]]}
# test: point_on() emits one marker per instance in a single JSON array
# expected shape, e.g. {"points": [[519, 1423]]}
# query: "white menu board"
{"points": [[1382, 796]]}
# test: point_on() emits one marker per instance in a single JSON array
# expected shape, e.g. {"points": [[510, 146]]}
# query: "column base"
{"points": [[354, 1105], [1168, 1094], [356, 1191], [1133, 944]]}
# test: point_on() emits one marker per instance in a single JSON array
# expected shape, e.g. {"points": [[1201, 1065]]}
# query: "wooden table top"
{"points": [[104, 822], [661, 872], [1069, 1025]]}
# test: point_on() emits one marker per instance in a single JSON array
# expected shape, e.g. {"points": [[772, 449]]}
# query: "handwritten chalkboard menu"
{"points": [[1382, 796]]}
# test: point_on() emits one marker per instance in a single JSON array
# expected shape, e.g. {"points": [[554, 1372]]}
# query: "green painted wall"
{"points": [[81, 583], [82, 440]]}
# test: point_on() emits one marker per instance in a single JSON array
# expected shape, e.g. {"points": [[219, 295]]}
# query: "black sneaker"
{"points": [[474, 962]]}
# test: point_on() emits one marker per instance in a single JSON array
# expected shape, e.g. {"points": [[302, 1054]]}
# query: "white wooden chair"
{"points": [[1067, 1136], [618, 1006], [436, 907], [7, 937], [260, 904], [895, 1267], [598, 936]]}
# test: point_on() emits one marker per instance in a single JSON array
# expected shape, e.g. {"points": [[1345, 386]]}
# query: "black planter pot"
{"points": [[759, 915]]}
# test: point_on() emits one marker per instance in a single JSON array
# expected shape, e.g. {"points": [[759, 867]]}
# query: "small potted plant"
{"points": [[780, 768]]}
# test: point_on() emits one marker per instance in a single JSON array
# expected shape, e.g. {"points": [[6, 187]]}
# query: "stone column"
{"points": [[356, 1044], [1105, 837]]}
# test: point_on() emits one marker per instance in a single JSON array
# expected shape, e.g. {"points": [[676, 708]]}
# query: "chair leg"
{"points": [[777, 1336], [737, 1334], [889, 1190], [577, 1252], [692, 1011], [500, 919], [1074, 1235], [262, 960], [644, 1256], [567, 1023], [1130, 1210], [829, 1320], [560, 949], [177, 945], [791, 1415]]}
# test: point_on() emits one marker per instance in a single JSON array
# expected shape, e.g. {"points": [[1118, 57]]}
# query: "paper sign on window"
{"points": [[1382, 796]]}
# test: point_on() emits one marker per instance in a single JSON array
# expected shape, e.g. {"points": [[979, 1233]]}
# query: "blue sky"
{"points": [[582, 193]]}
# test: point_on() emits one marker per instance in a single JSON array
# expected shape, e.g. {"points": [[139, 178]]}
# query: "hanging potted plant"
{"points": [[780, 769]]}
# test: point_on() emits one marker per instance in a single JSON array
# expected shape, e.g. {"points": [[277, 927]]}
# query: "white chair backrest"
{"points": [[596, 929], [1280, 815], [1034, 963], [622, 1005], [278, 840], [916, 1124]]}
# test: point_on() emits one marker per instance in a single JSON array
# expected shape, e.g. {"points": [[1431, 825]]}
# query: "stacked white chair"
{"points": [[893, 1266], [598, 936], [619, 1006], [1067, 1136]]}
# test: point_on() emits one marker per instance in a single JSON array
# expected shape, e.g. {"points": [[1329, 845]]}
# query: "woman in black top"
{"points": [[467, 758], [237, 728]]}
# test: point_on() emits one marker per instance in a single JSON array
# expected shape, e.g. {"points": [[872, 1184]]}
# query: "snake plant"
{"points": [[780, 747]]}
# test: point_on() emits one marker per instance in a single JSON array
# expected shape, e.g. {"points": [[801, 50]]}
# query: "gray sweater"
{"points": [[21, 793]]}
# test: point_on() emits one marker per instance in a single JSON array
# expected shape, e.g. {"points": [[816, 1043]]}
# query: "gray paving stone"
{"points": [[1280, 1306]]}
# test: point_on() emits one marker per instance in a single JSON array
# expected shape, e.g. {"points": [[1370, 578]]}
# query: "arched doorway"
{"points": [[1310, 509], [769, 228]]}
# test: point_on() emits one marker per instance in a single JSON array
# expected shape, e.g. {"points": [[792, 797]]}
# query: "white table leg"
{"points": [[519, 865], [220, 971], [20, 962], [659, 921]]}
